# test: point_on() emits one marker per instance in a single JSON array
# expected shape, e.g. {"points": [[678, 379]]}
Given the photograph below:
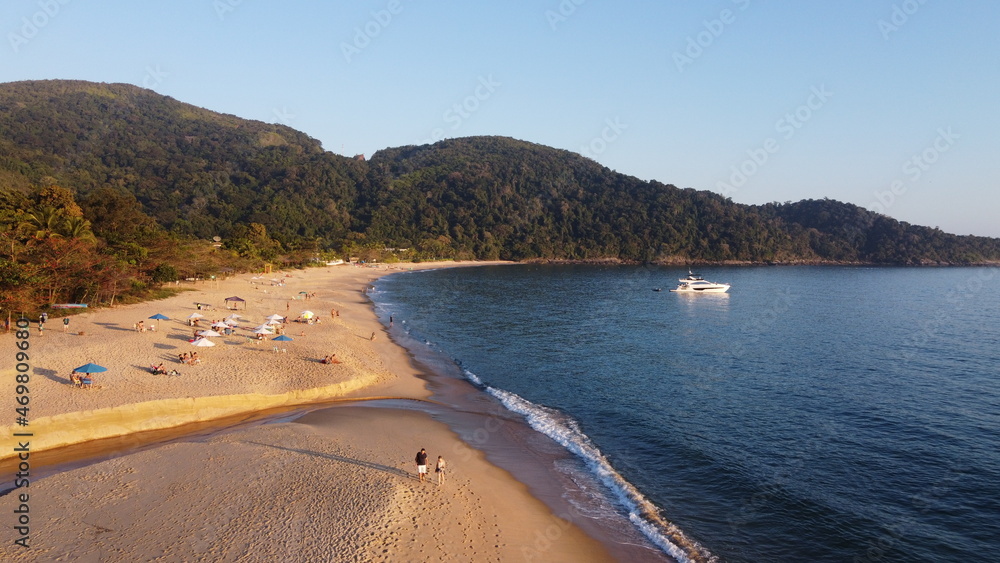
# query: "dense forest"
{"points": [[124, 187]]}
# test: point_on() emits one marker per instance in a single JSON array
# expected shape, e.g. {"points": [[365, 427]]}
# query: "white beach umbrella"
{"points": [[262, 329], [195, 316], [234, 316], [219, 324], [231, 322], [274, 322], [274, 317], [203, 343], [205, 333]]}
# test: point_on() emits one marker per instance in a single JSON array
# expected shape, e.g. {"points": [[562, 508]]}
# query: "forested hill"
{"points": [[268, 189]]}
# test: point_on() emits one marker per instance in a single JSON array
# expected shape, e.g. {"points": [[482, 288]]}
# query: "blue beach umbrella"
{"points": [[283, 338], [160, 317], [90, 368]]}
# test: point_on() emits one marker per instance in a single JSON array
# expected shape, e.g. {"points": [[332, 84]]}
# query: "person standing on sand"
{"points": [[439, 469], [65, 324], [373, 336], [422, 464]]}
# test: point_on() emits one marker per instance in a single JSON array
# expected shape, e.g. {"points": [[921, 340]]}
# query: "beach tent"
{"points": [[236, 302]]}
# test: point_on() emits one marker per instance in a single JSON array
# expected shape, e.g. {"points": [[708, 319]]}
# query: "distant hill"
{"points": [[204, 174]]}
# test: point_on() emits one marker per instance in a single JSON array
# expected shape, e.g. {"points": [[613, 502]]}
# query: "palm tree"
{"points": [[44, 222], [78, 228]]}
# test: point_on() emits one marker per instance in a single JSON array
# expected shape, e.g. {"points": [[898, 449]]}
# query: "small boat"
{"points": [[697, 284]]}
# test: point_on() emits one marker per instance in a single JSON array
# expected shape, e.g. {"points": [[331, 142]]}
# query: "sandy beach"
{"points": [[334, 485]]}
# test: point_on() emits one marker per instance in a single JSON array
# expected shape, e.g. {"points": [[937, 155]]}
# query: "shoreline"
{"points": [[369, 367]]}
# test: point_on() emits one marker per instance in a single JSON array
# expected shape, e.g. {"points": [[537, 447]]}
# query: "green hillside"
{"points": [[129, 177]]}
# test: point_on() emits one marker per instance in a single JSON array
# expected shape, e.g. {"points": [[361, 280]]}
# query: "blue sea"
{"points": [[810, 414]]}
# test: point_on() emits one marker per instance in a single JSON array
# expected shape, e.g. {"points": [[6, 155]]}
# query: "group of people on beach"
{"points": [[159, 369], [439, 468], [331, 359], [190, 359], [81, 380]]}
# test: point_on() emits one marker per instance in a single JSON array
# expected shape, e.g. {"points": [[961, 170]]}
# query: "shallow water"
{"points": [[813, 413]]}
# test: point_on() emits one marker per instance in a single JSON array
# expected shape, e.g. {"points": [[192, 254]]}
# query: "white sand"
{"points": [[332, 487]]}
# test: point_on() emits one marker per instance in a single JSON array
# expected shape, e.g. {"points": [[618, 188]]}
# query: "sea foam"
{"points": [[566, 431]]}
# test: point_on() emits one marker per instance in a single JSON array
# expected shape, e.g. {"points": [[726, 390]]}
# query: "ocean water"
{"points": [[811, 414]]}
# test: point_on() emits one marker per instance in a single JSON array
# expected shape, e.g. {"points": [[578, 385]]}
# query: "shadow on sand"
{"points": [[359, 462]]}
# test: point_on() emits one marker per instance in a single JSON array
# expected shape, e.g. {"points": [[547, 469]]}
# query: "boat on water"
{"points": [[697, 284]]}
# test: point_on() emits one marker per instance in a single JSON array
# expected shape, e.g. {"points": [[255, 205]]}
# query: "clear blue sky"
{"points": [[888, 104]]}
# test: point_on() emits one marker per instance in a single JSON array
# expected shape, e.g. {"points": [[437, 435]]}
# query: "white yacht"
{"points": [[697, 284]]}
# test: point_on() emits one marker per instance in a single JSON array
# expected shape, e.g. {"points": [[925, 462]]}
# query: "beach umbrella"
{"points": [[160, 317], [91, 368], [219, 324], [231, 322], [205, 333], [203, 343], [273, 322], [274, 317], [283, 338], [234, 316], [195, 316], [307, 314], [262, 329]]}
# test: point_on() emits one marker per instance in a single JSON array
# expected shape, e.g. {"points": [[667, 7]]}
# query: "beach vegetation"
{"points": [[103, 185]]}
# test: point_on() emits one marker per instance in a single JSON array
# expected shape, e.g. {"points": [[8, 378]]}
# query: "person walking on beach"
{"points": [[439, 469], [422, 464], [65, 324], [373, 336]]}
